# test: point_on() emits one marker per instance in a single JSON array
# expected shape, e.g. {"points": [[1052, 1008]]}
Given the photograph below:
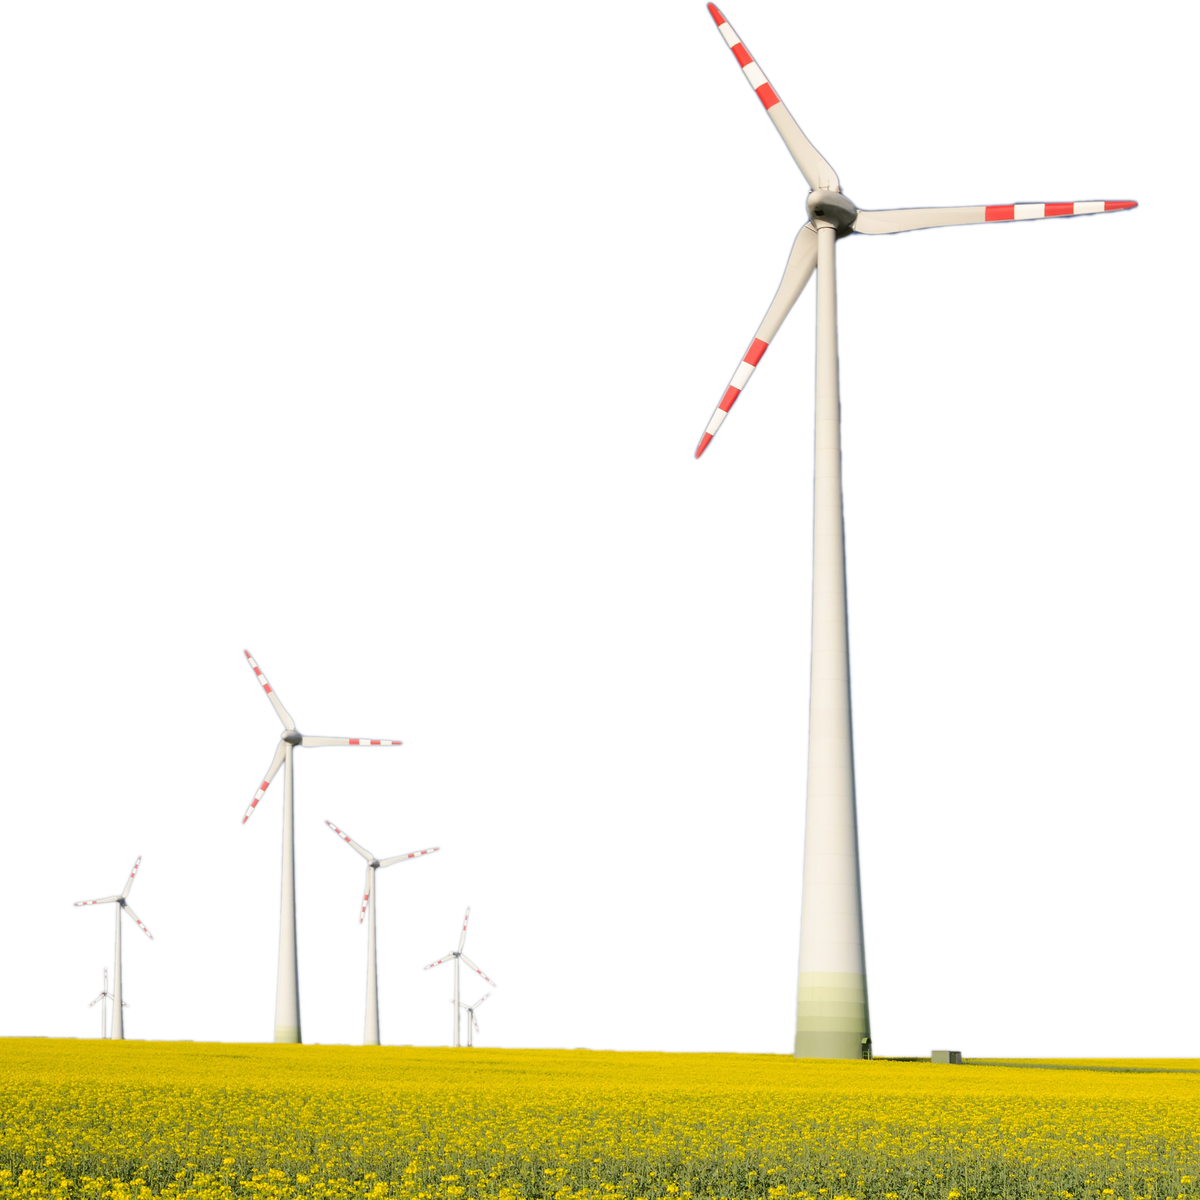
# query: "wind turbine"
{"points": [[371, 1026], [456, 955], [469, 1009], [103, 999], [118, 1024], [832, 1018], [287, 993]]}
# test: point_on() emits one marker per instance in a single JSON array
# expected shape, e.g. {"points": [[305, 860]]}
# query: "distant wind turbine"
{"points": [[121, 906], [469, 1012], [459, 958], [369, 911], [102, 997]]}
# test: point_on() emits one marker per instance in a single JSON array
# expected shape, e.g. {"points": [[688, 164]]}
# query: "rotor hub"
{"points": [[292, 737], [832, 208]]}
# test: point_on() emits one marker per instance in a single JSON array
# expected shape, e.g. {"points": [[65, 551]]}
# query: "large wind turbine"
{"points": [[369, 912], [832, 1019], [287, 994], [118, 1024]]}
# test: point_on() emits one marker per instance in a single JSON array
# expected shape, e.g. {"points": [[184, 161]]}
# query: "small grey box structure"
{"points": [[947, 1056]]}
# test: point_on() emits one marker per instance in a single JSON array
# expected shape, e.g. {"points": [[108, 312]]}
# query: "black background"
{"points": [[417, 429]]}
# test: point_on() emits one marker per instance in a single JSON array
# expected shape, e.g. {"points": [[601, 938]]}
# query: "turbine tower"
{"points": [[103, 999], [832, 1018], [371, 1024], [118, 1024], [287, 993], [456, 955]]}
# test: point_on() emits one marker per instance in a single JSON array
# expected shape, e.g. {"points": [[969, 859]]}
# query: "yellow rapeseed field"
{"points": [[131, 1120]]}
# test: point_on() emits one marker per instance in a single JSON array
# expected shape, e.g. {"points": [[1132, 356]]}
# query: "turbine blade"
{"points": [[132, 874], [137, 921], [102, 900], [477, 970], [366, 896], [272, 771], [284, 715], [98, 999], [463, 937], [444, 958], [387, 862], [351, 842], [812, 166], [796, 274], [328, 741], [899, 220], [124, 1003], [481, 1000], [476, 1020]]}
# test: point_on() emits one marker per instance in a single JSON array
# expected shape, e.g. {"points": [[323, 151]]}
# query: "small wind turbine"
{"points": [[456, 955], [287, 994], [371, 1026], [103, 999], [118, 1025], [471, 1020], [832, 1018]]}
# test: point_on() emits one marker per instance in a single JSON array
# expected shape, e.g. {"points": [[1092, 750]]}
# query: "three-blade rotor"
{"points": [[827, 207], [470, 1009], [373, 862], [453, 954], [293, 738], [121, 900]]}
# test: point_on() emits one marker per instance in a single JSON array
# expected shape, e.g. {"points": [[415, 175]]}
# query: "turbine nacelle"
{"points": [[293, 737], [832, 208]]}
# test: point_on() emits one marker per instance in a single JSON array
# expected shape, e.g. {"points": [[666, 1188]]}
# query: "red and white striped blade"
{"points": [[106, 979], [366, 895], [899, 220], [102, 900], [796, 274], [351, 842], [477, 970], [473, 1017], [132, 876], [272, 771], [98, 999], [480, 1000], [326, 741], [284, 715], [463, 936], [445, 958], [138, 922], [387, 862], [812, 166]]}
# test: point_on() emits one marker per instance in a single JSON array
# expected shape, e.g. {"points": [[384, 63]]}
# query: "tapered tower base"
{"points": [[831, 1015], [287, 1033]]}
